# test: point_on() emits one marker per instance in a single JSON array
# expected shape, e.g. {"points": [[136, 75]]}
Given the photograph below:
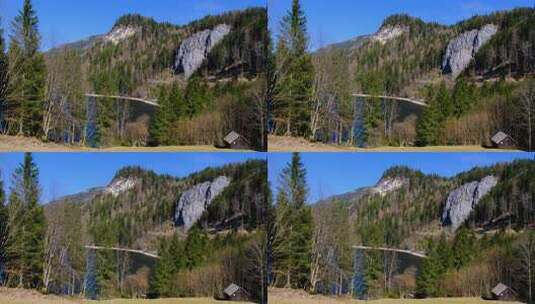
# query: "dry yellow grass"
{"points": [[285, 296], [26, 144], [165, 301], [293, 144], [23, 296]]}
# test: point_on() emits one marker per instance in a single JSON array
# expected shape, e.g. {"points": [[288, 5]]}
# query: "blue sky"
{"points": [[69, 173], [71, 20], [332, 21], [335, 173]]}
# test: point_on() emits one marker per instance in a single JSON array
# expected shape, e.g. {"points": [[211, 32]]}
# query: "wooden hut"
{"points": [[502, 140], [235, 293], [503, 292], [235, 141]]}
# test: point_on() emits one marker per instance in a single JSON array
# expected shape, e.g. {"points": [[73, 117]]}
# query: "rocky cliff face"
{"points": [[121, 33], [462, 49], [388, 33], [389, 184], [120, 185], [462, 201], [194, 50], [196, 200]]}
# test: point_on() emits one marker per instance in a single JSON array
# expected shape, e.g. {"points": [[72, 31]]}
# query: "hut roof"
{"points": [[231, 289], [499, 289], [499, 137], [232, 137]]}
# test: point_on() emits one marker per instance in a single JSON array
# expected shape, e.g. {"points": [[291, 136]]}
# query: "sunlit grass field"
{"points": [[288, 296], [24, 296], [385, 301]]}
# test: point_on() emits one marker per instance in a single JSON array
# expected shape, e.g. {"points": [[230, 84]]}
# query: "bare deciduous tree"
{"points": [[527, 111], [526, 263]]}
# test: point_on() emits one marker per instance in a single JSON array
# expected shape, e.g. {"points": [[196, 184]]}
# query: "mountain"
{"points": [[455, 237], [146, 234], [155, 83], [410, 206], [409, 52], [457, 80], [138, 51], [139, 206]]}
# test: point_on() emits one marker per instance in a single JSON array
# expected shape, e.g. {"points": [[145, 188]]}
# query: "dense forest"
{"points": [[50, 252], [44, 94], [404, 59], [313, 245]]}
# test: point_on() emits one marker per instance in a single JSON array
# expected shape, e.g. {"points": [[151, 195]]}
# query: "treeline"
{"points": [[202, 265], [469, 265], [469, 114], [202, 113]]}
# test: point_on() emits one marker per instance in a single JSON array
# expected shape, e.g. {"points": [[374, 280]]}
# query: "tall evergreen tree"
{"points": [[293, 241], [430, 123], [4, 231], [27, 224], [295, 75], [3, 76], [27, 72], [172, 260]]}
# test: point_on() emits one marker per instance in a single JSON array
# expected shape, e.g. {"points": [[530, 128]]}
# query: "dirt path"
{"points": [[294, 144], [27, 144], [286, 296]]}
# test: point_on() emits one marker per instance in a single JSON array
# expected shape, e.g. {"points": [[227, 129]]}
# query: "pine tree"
{"points": [[430, 123], [27, 72], [4, 232], [159, 124], [172, 260], [3, 77], [294, 181], [293, 242], [27, 225], [439, 259], [296, 75]]}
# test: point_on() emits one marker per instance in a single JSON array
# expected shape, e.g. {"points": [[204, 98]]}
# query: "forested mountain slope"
{"points": [[406, 50], [137, 50], [139, 204], [467, 74], [405, 202], [204, 229], [464, 224]]}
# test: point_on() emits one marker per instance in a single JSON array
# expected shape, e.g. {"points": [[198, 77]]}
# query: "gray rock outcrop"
{"points": [[389, 184], [194, 50], [462, 201], [121, 33], [196, 200], [120, 185], [461, 50], [388, 33]]}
